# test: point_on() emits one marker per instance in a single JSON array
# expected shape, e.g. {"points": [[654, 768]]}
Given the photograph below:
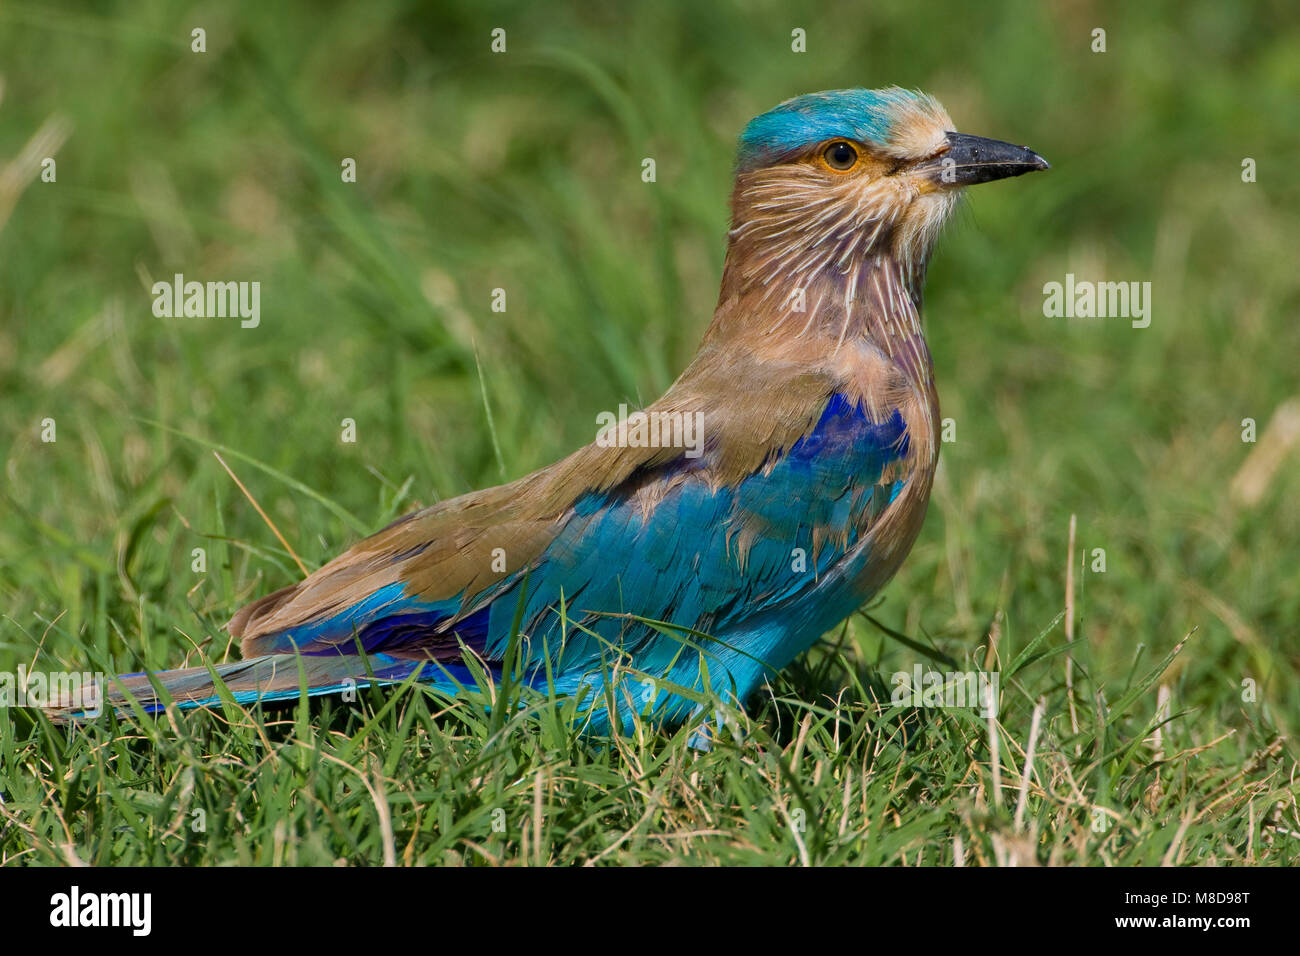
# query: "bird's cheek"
{"points": [[923, 185], [932, 210], [908, 191]]}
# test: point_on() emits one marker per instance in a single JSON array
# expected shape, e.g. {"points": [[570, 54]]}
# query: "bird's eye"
{"points": [[840, 156]]}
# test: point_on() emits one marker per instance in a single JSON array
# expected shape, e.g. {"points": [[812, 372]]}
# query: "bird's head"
{"points": [[826, 180]]}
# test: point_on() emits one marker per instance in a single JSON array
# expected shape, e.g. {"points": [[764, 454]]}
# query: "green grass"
{"points": [[522, 172]]}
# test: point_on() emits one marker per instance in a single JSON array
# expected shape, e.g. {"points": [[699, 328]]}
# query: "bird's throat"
{"points": [[874, 301]]}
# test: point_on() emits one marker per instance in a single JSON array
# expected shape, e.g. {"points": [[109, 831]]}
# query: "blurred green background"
{"points": [[522, 171]]}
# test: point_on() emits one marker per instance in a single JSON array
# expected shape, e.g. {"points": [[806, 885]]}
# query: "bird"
{"points": [[653, 580]]}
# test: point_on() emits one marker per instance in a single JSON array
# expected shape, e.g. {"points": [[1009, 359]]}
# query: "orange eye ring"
{"points": [[840, 156]]}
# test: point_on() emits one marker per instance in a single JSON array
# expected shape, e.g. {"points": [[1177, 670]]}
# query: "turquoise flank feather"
{"points": [[680, 564]]}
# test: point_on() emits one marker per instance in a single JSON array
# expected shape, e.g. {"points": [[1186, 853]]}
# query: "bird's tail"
{"points": [[270, 677]]}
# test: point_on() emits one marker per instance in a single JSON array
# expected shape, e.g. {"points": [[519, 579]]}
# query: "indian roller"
{"points": [[647, 578]]}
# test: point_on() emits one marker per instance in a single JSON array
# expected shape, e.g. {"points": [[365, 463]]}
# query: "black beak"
{"points": [[974, 159]]}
